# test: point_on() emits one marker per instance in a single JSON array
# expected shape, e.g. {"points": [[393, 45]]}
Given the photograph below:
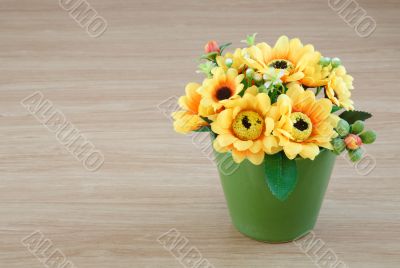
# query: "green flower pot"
{"points": [[258, 214]]}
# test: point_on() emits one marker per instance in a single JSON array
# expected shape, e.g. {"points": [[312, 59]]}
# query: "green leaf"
{"points": [[281, 175], [206, 68], [209, 56], [222, 47], [353, 116], [335, 108], [273, 94], [203, 129], [250, 39], [318, 90], [206, 119]]}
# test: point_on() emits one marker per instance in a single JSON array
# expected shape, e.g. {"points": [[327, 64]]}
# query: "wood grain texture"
{"points": [[153, 179]]}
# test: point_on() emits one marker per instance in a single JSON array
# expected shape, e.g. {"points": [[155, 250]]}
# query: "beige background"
{"points": [[153, 179]]}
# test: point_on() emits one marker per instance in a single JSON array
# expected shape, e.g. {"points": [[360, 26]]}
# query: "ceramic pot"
{"points": [[258, 214]]}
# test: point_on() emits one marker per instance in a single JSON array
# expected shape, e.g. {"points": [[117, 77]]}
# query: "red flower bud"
{"points": [[211, 46], [353, 142]]}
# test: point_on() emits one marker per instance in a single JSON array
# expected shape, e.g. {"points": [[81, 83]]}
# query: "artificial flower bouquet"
{"points": [[281, 114]]}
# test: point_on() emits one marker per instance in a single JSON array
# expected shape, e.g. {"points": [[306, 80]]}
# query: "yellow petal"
{"points": [[295, 77], [220, 148], [266, 50], [253, 90], [255, 53], [270, 144], [269, 126], [256, 147], [295, 93], [249, 102], [326, 145], [307, 59], [242, 145], [284, 104], [333, 119], [237, 156], [225, 118], [256, 158], [186, 122], [218, 73], [281, 48], [263, 103], [191, 100], [239, 86], [231, 74], [274, 112], [253, 64], [324, 128], [182, 101], [191, 88], [205, 111], [292, 149], [304, 102], [285, 125], [236, 110], [221, 61], [226, 139], [295, 46], [216, 128], [320, 110], [309, 150]]}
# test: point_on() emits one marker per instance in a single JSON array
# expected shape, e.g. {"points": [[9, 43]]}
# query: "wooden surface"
{"points": [[152, 179]]}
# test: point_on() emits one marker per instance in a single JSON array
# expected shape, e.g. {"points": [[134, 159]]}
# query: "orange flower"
{"points": [[353, 141], [189, 119], [211, 46]]}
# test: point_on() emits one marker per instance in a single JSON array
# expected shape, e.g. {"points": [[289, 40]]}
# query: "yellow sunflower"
{"points": [[245, 129], [237, 61], [304, 123], [222, 86], [288, 55], [189, 119], [316, 75], [338, 88]]}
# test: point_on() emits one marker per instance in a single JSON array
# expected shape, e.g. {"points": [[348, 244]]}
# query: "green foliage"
{"points": [[357, 127], [343, 128], [209, 56], [355, 155], [206, 68], [353, 116], [275, 91], [318, 90], [336, 62], [274, 94], [281, 175], [368, 136], [338, 145], [203, 129], [335, 108], [325, 61], [222, 47], [206, 119], [250, 39]]}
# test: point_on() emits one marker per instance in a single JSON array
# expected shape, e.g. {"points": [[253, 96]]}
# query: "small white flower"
{"points": [[273, 77], [228, 62]]}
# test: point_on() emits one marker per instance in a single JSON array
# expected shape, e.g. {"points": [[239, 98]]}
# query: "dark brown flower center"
{"points": [[223, 93], [280, 64], [245, 122], [301, 124]]}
